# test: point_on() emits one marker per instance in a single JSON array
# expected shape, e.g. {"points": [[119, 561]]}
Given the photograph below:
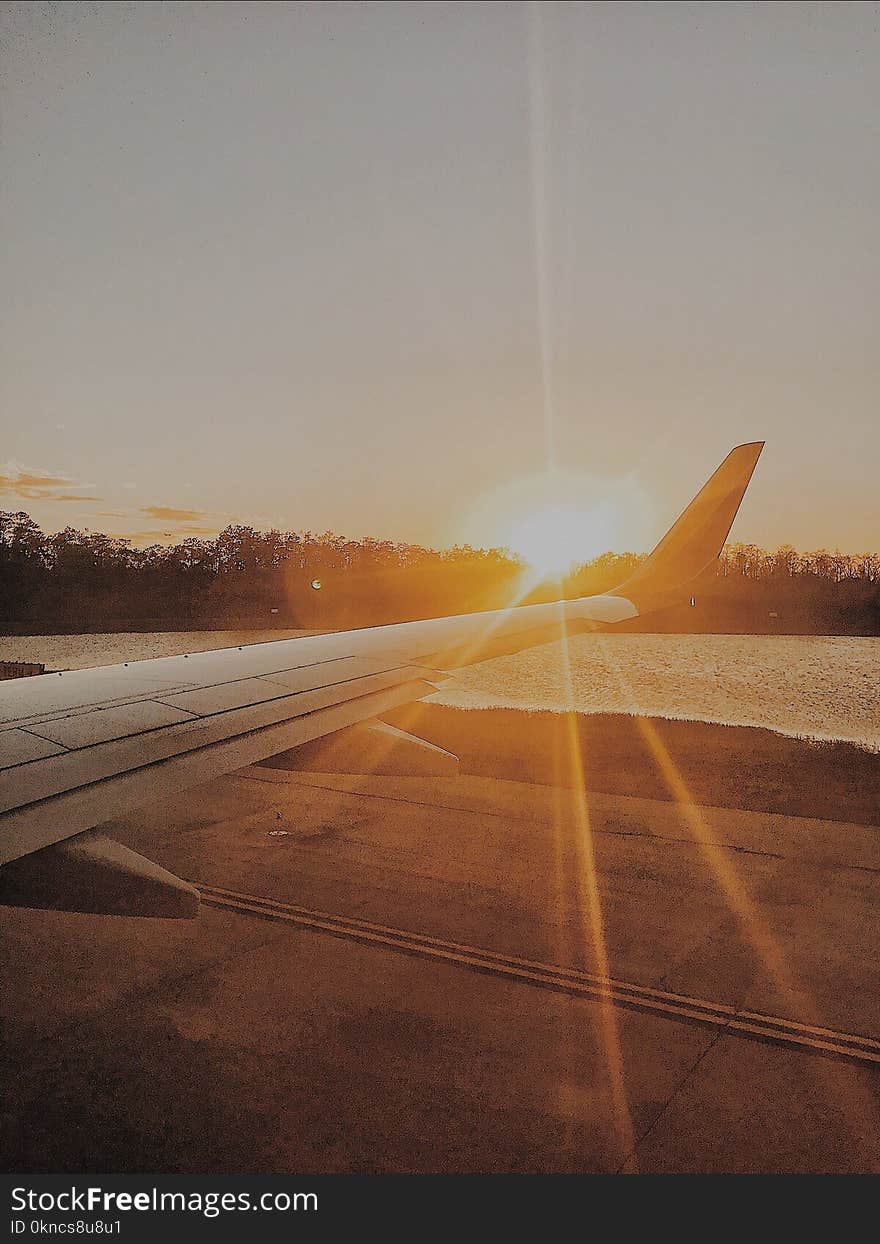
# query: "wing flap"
{"points": [[73, 809], [41, 779], [102, 725], [19, 747]]}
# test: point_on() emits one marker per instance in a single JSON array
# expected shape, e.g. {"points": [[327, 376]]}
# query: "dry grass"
{"points": [[725, 766]]}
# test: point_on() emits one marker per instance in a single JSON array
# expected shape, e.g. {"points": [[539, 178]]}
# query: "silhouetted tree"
{"points": [[76, 580]]}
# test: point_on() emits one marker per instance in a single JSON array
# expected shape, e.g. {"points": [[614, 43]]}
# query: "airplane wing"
{"points": [[80, 747]]}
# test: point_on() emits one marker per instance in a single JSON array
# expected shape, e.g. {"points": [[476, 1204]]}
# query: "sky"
{"points": [[388, 269]]}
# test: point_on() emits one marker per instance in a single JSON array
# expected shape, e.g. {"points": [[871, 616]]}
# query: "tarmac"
{"points": [[456, 975]]}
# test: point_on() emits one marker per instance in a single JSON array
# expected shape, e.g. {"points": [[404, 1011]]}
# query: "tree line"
{"points": [[84, 580]]}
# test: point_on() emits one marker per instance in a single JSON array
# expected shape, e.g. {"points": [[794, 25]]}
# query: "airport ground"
{"points": [[411, 974]]}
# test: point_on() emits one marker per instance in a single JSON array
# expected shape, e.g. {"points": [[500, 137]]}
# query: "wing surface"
{"points": [[79, 748]]}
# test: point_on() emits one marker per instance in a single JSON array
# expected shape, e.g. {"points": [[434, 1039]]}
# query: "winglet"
{"points": [[695, 539]]}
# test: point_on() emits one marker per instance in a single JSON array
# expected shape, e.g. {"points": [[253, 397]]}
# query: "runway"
{"points": [[555, 977], [400, 974]]}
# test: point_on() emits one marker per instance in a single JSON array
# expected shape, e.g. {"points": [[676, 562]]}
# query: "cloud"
{"points": [[168, 513], [31, 484], [142, 538], [191, 529], [14, 475]]}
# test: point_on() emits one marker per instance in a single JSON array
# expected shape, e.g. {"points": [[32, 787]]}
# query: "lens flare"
{"points": [[556, 537]]}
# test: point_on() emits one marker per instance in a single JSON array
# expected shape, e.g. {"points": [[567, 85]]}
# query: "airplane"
{"points": [[80, 747]]}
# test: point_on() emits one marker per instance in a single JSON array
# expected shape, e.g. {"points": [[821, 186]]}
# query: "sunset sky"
{"points": [[373, 268]]}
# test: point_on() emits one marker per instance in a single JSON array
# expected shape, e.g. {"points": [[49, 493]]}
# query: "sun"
{"points": [[556, 536], [560, 518]]}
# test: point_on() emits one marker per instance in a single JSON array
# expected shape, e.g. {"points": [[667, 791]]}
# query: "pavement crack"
{"points": [[630, 1162]]}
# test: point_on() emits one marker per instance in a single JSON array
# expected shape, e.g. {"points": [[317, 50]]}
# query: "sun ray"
{"points": [[790, 993], [537, 130], [589, 902]]}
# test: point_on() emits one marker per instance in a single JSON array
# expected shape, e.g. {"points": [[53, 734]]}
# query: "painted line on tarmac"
{"points": [[750, 1024]]}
